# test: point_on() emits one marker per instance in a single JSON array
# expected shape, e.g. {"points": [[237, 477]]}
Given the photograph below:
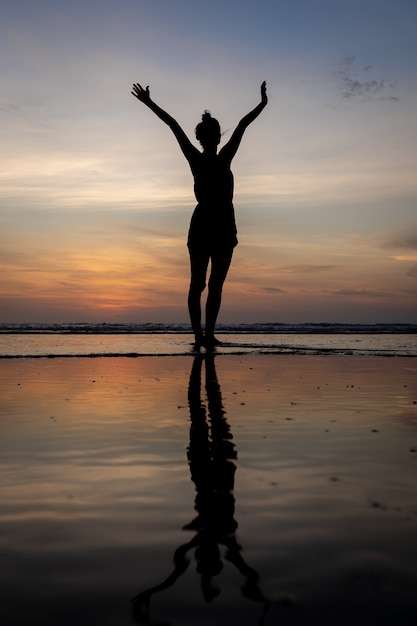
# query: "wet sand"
{"points": [[247, 490]]}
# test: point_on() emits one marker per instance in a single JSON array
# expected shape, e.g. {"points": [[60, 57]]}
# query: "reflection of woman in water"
{"points": [[210, 457], [212, 233]]}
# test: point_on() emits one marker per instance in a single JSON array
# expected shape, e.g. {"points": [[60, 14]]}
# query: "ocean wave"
{"points": [[270, 328]]}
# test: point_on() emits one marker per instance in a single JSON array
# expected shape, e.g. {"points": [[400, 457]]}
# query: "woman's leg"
{"points": [[198, 264], [220, 263]]}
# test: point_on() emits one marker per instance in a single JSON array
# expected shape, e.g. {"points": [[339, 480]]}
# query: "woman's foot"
{"points": [[211, 341], [198, 342]]}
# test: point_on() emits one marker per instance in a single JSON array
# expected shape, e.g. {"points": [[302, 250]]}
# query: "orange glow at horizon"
{"points": [[106, 281]]}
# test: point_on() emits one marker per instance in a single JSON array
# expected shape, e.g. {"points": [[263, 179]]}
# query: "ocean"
{"points": [[185, 489], [150, 339]]}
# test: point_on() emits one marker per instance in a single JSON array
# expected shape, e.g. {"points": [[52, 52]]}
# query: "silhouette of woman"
{"points": [[212, 233]]}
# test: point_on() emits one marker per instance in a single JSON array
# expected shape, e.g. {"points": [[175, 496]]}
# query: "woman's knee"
{"points": [[215, 286], [197, 285]]}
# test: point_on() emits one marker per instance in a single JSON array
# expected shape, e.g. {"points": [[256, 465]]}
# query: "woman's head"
{"points": [[208, 131]]}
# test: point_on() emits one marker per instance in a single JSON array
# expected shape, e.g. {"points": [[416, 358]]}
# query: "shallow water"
{"points": [[296, 481], [148, 344]]}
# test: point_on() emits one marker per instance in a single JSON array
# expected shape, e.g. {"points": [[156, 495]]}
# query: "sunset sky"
{"points": [[95, 196]]}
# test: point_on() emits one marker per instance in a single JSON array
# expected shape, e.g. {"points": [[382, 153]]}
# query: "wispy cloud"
{"points": [[404, 242], [11, 108], [404, 248], [358, 82], [272, 290], [361, 293], [306, 269]]}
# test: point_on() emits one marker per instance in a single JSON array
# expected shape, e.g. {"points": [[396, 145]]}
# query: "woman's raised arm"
{"points": [[143, 95], [230, 149]]}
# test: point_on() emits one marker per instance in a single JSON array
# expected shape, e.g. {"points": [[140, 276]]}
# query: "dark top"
{"points": [[213, 221]]}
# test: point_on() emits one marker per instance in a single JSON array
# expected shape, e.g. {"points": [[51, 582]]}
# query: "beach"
{"points": [[228, 489]]}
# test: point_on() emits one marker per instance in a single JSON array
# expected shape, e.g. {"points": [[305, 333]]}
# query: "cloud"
{"points": [[407, 242], [10, 108], [361, 293], [358, 83], [306, 269], [408, 246], [412, 272], [272, 290]]}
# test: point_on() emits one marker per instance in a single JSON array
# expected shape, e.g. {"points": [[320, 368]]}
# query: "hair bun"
{"points": [[208, 128]]}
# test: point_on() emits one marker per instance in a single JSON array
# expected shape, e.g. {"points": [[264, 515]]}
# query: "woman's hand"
{"points": [[264, 97], [140, 93]]}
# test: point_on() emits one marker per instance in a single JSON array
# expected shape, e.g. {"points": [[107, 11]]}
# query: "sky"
{"points": [[96, 197]]}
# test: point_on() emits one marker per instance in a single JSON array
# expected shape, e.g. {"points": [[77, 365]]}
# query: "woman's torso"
{"points": [[213, 219], [213, 180]]}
